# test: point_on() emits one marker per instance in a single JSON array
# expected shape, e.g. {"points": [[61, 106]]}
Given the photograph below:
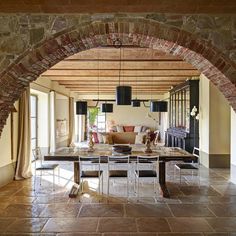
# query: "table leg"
{"points": [[75, 188], [162, 179]]}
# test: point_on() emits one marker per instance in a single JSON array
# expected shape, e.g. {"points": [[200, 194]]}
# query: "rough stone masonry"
{"points": [[32, 43]]}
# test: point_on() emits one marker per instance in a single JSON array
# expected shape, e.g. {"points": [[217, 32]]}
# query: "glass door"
{"points": [[34, 121]]}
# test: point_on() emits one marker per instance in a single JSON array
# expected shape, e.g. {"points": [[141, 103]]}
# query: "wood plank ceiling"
{"points": [[101, 70]]}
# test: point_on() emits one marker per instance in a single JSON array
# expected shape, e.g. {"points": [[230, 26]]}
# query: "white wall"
{"points": [[219, 122], [128, 115], [233, 138], [204, 108], [214, 125], [5, 140]]}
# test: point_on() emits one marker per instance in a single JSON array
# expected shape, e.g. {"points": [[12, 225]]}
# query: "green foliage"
{"points": [[93, 112]]}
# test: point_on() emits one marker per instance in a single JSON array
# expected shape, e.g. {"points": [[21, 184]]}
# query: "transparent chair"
{"points": [[41, 166], [146, 168], [118, 168], [90, 168], [193, 166]]}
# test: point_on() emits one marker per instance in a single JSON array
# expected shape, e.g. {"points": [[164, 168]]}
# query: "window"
{"points": [[34, 121], [96, 119]]}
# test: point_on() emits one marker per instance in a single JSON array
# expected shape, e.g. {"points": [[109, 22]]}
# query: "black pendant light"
{"points": [[158, 106], [123, 92], [135, 103], [81, 108], [107, 107], [123, 95]]}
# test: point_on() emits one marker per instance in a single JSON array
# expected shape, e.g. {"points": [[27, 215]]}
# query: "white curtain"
{"points": [[52, 101], [23, 166], [81, 127], [71, 138]]}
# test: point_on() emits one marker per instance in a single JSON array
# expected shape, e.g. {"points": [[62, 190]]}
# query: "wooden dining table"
{"points": [[164, 154]]}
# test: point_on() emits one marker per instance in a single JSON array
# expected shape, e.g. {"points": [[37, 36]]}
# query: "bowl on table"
{"points": [[121, 149]]}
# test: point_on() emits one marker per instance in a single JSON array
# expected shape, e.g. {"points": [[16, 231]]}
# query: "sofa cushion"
{"points": [[128, 128], [107, 139], [123, 137]]}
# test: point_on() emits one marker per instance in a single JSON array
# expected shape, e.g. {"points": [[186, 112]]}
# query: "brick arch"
{"points": [[138, 32]]}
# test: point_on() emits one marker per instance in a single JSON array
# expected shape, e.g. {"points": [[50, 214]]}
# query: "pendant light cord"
{"points": [[120, 66], [98, 74]]}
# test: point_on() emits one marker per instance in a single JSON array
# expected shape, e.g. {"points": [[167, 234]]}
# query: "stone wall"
{"points": [[30, 44]]}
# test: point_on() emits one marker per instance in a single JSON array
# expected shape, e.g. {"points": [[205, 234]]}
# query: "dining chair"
{"points": [[41, 166], [193, 166], [90, 168], [146, 168], [118, 168]]}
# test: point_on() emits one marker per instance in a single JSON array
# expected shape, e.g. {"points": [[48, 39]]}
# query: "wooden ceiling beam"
{"points": [[123, 65], [116, 78], [124, 73]]}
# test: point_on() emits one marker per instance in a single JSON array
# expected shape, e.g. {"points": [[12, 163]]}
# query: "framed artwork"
{"points": [[61, 128]]}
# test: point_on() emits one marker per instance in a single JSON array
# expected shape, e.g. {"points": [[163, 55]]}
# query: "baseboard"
{"points": [[215, 160], [7, 173]]}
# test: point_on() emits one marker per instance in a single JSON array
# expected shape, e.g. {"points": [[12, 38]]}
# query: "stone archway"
{"points": [[133, 31]]}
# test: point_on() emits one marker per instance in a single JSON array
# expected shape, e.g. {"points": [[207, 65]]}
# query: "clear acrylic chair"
{"points": [[90, 168], [41, 166], [118, 168], [193, 166], [146, 168]]}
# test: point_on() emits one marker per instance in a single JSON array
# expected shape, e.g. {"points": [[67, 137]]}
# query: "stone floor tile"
{"points": [[22, 200], [4, 205], [195, 199], [196, 191], [183, 224], [223, 224], [223, 210], [4, 223], [130, 234], [71, 225], [102, 210], [27, 225], [22, 210], [151, 224], [180, 234], [29, 234], [223, 199], [51, 199], [190, 210], [139, 210], [117, 225], [61, 210], [217, 234], [79, 234]]}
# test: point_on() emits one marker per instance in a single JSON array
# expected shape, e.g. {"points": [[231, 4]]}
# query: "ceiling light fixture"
{"points": [[123, 92], [81, 108]]}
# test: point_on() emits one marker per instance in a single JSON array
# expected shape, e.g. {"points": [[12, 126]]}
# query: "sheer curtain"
{"points": [[52, 98], [23, 166], [71, 138]]}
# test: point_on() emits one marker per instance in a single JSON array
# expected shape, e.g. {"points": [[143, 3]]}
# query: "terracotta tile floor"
{"points": [[205, 210]]}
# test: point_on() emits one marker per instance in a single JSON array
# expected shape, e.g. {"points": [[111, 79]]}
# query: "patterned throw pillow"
{"points": [[119, 128], [100, 138], [139, 138], [129, 128], [138, 128], [95, 137]]}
